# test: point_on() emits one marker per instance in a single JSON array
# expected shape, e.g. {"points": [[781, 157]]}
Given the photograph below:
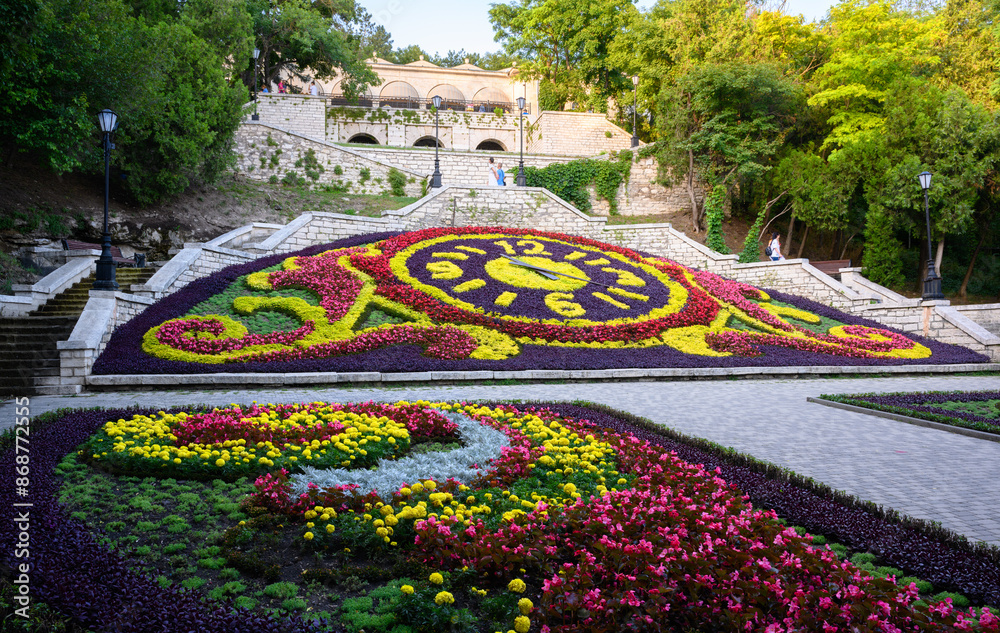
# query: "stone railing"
{"points": [[29, 297]]}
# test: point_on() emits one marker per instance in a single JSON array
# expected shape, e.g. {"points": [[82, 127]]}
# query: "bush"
{"points": [[397, 182]]}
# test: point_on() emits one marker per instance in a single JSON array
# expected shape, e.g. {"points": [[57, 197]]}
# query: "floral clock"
{"points": [[487, 293]]}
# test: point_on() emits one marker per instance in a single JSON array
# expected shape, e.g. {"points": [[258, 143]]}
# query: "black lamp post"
{"points": [[522, 178], [932, 283], [256, 91], [436, 177], [108, 122], [635, 107]]}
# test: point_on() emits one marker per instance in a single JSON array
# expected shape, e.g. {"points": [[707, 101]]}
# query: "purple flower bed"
{"points": [[925, 551], [921, 405], [124, 353], [76, 575]]}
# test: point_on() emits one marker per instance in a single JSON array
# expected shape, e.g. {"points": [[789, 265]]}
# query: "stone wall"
{"points": [[644, 196], [457, 167], [403, 128], [302, 114], [264, 152], [575, 134]]}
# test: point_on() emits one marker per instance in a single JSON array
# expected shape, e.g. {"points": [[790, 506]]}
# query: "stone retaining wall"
{"points": [[458, 167], [265, 152], [302, 114], [575, 134], [403, 128]]}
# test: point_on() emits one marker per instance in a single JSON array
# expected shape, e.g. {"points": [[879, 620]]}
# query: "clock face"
{"points": [[515, 276]]}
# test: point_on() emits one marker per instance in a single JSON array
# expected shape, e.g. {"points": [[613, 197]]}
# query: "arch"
{"points": [[337, 96], [363, 139], [399, 94], [492, 95], [451, 97], [491, 145], [427, 141]]}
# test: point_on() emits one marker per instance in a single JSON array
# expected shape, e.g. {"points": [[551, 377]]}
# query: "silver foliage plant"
{"points": [[482, 444]]}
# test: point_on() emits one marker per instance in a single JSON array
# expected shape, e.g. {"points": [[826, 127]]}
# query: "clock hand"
{"points": [[550, 273], [542, 271]]}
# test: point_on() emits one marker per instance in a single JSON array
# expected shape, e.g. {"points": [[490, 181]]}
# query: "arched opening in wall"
{"points": [[451, 97], [489, 99], [399, 94], [363, 139], [427, 141], [491, 146]]}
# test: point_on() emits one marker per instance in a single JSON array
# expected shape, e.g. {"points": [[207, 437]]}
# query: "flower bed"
{"points": [[979, 410], [489, 298], [586, 520]]}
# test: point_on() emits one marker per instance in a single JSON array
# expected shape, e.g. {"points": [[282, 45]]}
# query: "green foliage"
{"points": [[751, 244], [364, 175], [882, 257], [716, 240], [397, 182], [312, 167], [281, 590], [570, 180]]}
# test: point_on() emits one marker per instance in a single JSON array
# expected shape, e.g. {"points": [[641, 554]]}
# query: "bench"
{"points": [[116, 253], [832, 267]]}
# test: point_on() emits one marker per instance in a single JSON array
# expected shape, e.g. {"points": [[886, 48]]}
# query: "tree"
{"points": [[970, 49], [873, 46], [310, 40], [567, 42], [725, 123], [373, 39]]}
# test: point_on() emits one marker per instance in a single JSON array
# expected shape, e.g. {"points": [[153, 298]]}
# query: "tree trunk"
{"points": [[939, 255], [791, 233], [968, 272], [690, 188], [802, 244]]}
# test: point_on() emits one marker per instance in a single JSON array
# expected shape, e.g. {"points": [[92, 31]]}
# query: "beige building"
{"points": [[465, 87]]}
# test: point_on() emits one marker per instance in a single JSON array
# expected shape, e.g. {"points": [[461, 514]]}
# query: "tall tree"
{"points": [[310, 39], [725, 123]]}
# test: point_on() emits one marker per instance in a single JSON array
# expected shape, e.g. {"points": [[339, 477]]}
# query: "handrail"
{"points": [[418, 103]]}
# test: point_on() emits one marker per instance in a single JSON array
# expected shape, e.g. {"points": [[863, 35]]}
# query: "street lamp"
{"points": [[256, 56], [932, 283], [635, 104], [436, 177], [522, 178], [108, 122]]}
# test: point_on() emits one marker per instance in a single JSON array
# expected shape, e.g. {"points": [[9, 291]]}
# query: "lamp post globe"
{"points": [[256, 85], [932, 282], [436, 176], [522, 178], [107, 121], [635, 104]]}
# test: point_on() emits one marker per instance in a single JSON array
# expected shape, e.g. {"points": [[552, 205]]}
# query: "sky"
{"points": [[438, 26]]}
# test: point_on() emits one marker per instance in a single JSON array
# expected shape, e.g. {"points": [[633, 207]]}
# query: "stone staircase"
{"points": [[29, 359]]}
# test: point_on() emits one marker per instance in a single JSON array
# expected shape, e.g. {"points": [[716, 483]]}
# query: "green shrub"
{"points": [[194, 583], [923, 586], [245, 602], [281, 590], [294, 604], [716, 239], [397, 182], [174, 548], [863, 557], [957, 600], [364, 175]]}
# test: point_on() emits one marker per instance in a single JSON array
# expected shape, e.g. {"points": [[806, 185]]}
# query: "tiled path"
{"points": [[924, 473]]}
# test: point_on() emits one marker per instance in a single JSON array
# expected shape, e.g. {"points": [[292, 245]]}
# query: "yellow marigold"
{"points": [[219, 462], [517, 585], [330, 527], [407, 589], [525, 606], [308, 536], [436, 578], [430, 484], [444, 597], [569, 488], [522, 624]]}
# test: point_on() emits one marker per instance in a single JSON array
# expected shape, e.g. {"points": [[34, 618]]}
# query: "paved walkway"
{"points": [[924, 473]]}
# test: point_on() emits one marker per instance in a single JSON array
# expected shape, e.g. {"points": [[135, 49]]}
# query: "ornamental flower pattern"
{"points": [[491, 294]]}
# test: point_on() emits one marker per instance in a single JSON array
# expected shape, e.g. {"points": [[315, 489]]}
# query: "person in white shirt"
{"points": [[491, 178], [313, 89], [775, 246]]}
